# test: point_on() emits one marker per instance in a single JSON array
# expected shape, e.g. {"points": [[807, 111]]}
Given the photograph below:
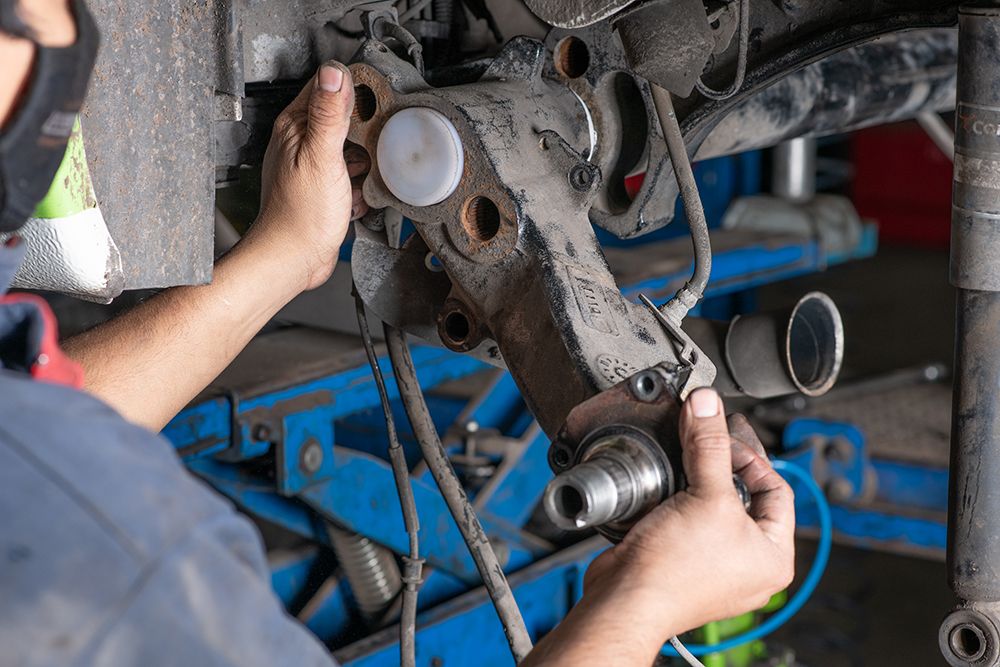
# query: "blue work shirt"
{"points": [[112, 554]]}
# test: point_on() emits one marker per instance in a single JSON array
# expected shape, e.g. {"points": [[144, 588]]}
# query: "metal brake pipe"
{"points": [[382, 26], [693, 289], [412, 575], [743, 50], [454, 494]]}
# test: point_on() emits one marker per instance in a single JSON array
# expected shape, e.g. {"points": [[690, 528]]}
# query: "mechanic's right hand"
{"points": [[699, 556], [307, 198]]}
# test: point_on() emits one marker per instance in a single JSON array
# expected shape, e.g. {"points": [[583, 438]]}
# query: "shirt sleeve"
{"points": [[208, 602]]}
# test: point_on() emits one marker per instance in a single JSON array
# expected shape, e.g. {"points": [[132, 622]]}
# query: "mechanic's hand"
{"points": [[699, 556], [306, 195]]}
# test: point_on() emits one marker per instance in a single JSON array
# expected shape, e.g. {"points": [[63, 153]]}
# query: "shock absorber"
{"points": [[968, 636]]}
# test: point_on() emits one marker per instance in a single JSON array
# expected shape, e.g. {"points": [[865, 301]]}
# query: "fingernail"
{"points": [[330, 78], [704, 403]]}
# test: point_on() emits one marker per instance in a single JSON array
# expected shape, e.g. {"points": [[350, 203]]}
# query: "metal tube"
{"points": [[692, 291], [968, 635], [773, 353], [939, 132], [454, 495], [974, 513], [795, 169]]}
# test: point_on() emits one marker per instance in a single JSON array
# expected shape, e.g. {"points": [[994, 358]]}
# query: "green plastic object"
{"points": [[71, 191], [741, 656]]}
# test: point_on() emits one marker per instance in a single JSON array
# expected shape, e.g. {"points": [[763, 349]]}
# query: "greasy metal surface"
{"points": [[150, 139], [567, 333], [821, 29], [668, 42], [575, 13], [287, 39], [655, 413], [478, 179], [890, 79], [975, 243], [628, 132], [973, 503]]}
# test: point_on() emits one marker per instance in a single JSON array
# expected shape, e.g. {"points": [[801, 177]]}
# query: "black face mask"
{"points": [[32, 148]]}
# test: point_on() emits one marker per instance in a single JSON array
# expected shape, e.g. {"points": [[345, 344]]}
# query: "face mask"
{"points": [[33, 146]]}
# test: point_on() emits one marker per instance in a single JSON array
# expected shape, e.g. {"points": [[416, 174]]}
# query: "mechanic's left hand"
{"points": [[307, 199]]}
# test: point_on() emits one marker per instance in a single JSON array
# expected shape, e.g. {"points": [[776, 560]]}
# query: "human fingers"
{"points": [[355, 169], [705, 442], [741, 429], [773, 503], [329, 111], [358, 205], [357, 159]]}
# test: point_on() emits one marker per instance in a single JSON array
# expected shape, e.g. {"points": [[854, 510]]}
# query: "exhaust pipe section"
{"points": [[799, 349]]}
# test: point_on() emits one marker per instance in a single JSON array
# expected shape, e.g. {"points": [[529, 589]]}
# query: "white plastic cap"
{"points": [[420, 156]]}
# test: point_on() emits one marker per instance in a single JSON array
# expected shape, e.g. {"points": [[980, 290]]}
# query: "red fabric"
{"points": [[57, 367]]}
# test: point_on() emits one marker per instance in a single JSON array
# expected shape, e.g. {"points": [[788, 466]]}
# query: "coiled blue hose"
{"points": [[808, 586]]}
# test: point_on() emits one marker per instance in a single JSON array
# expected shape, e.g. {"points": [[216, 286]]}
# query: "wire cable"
{"points": [[412, 575], [684, 653], [808, 586], [741, 60], [454, 494]]}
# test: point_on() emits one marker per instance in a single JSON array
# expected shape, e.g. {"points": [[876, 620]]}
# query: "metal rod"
{"points": [[454, 494], [689, 295], [412, 575], [973, 503], [939, 132], [413, 11], [795, 169]]}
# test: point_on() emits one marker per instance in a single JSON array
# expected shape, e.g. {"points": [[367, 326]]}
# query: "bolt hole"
{"points": [[456, 327], [365, 103], [482, 218], [569, 502], [561, 457], [968, 642], [579, 178], [572, 58]]}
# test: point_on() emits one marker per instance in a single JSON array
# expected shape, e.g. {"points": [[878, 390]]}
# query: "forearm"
{"points": [[605, 628], [153, 360]]}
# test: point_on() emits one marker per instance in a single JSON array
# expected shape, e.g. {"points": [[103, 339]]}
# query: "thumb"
{"points": [[707, 452], [330, 107]]}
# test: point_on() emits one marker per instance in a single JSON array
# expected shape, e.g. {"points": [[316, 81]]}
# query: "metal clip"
{"points": [[702, 369]]}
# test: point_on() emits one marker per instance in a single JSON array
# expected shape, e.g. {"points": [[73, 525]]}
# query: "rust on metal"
{"points": [[478, 178]]}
